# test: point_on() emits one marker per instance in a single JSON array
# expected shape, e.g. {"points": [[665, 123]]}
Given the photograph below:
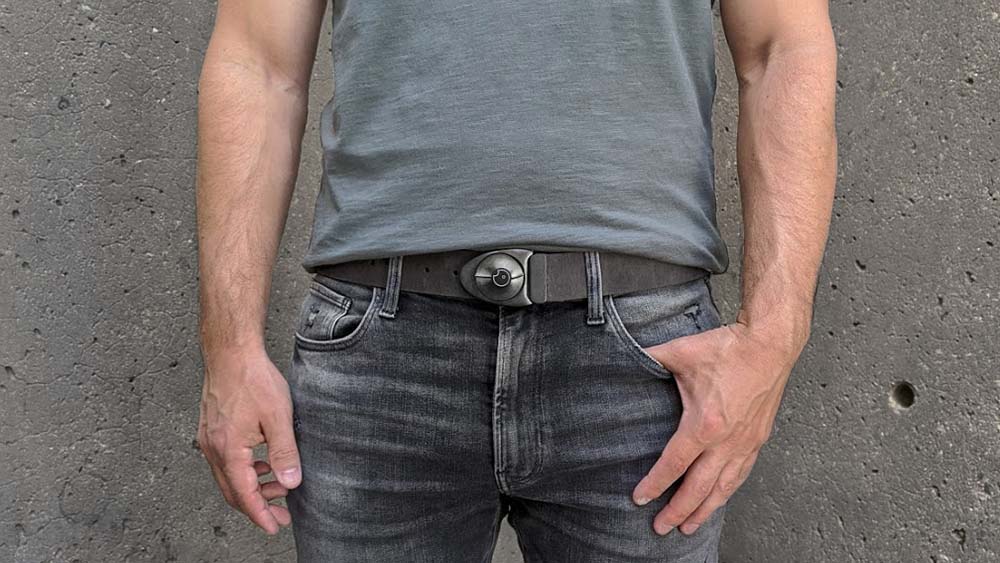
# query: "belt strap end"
{"points": [[537, 269]]}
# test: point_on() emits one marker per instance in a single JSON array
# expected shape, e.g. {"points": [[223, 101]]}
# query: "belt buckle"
{"points": [[498, 276]]}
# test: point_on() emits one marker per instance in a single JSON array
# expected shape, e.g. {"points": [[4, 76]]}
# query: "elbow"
{"points": [[249, 73], [813, 58]]}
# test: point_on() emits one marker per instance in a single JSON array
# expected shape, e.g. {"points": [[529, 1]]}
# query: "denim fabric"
{"points": [[423, 421]]}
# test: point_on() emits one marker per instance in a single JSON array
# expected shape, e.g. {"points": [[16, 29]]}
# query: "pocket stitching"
{"points": [[627, 341], [329, 294], [341, 303], [348, 339]]}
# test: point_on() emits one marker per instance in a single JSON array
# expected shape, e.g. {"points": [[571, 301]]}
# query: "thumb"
{"points": [[674, 354], [282, 452]]}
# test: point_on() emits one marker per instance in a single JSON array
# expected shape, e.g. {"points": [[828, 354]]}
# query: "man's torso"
{"points": [[544, 125]]}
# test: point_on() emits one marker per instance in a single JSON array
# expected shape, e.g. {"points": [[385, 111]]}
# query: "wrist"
{"points": [[783, 329], [243, 349]]}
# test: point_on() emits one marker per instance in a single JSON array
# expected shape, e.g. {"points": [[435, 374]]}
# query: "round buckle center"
{"points": [[501, 277]]}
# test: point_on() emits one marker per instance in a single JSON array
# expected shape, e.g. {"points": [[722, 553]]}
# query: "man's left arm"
{"points": [[731, 378]]}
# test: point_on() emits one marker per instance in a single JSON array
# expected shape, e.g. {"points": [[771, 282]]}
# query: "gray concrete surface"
{"points": [[100, 371]]}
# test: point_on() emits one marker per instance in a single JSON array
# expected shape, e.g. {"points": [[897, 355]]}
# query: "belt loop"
{"points": [[595, 293], [391, 300]]}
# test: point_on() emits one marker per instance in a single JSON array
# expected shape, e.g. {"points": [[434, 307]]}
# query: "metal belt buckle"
{"points": [[498, 276]]}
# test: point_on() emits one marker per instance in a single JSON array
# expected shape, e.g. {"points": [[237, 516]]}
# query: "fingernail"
{"points": [[290, 474], [688, 530], [642, 500], [663, 530]]}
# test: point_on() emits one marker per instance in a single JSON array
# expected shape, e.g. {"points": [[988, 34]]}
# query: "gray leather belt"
{"points": [[515, 276]]}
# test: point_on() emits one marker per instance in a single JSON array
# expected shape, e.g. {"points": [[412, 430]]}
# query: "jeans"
{"points": [[423, 421]]}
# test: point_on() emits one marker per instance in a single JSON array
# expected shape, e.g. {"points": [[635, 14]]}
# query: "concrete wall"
{"points": [[100, 373]]}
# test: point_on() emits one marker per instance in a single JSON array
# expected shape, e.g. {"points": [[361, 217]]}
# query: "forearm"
{"points": [[786, 160], [250, 126]]}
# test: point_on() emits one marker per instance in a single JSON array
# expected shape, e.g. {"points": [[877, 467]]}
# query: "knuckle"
{"points": [[227, 463], [699, 438], [713, 427], [244, 499], [727, 487], [283, 452], [671, 469], [702, 489], [216, 441], [678, 467]]}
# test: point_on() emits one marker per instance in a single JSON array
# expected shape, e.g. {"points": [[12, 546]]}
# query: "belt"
{"points": [[515, 276]]}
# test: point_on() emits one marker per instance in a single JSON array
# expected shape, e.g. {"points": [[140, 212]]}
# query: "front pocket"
{"points": [[336, 314], [650, 317]]}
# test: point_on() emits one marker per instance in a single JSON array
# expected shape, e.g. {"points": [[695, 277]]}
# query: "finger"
{"points": [[242, 478], [679, 453], [282, 453], [261, 467], [698, 483], [729, 481], [281, 514], [216, 462], [220, 480], [272, 490]]}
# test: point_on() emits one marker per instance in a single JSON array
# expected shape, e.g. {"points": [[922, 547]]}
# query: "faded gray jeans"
{"points": [[423, 421]]}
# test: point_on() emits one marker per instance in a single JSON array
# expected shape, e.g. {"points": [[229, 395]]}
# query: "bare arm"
{"points": [[252, 107], [731, 379], [786, 61], [251, 115]]}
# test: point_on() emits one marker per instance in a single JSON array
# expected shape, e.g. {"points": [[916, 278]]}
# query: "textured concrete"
{"points": [[100, 372]]}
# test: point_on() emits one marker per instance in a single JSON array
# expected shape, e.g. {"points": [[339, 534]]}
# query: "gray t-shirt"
{"points": [[540, 124]]}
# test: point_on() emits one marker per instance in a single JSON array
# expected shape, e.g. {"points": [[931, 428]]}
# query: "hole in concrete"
{"points": [[903, 395]]}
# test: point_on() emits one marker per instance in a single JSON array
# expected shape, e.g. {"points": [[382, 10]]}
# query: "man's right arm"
{"points": [[252, 106]]}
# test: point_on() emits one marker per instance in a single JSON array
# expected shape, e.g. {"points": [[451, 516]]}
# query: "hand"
{"points": [[245, 402], [731, 381]]}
